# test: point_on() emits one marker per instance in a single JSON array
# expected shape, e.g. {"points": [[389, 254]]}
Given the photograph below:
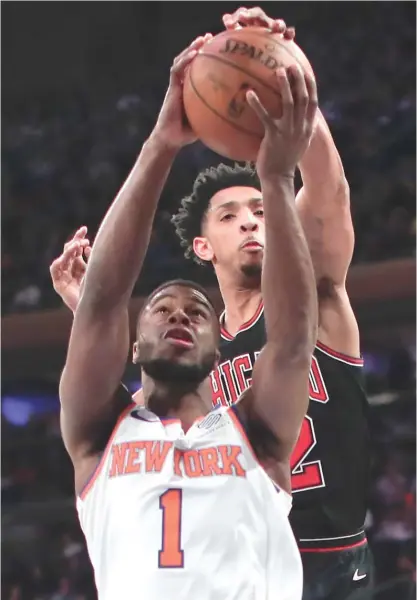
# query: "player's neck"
{"points": [[240, 303], [176, 402], [192, 407]]}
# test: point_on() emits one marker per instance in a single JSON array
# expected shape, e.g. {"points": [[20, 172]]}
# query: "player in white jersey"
{"points": [[174, 499]]}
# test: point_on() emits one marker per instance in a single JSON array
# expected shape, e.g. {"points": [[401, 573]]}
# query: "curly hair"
{"points": [[189, 218]]}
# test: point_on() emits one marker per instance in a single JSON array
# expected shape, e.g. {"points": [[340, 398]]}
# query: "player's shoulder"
{"points": [[218, 414]]}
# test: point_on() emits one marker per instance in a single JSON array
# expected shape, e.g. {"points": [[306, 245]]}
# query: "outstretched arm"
{"points": [[67, 274], [99, 341], [325, 197], [280, 375], [323, 204]]}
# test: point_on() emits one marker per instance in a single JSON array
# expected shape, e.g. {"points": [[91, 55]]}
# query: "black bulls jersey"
{"points": [[330, 462]]}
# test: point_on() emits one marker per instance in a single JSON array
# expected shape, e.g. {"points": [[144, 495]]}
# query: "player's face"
{"points": [[178, 336], [234, 232]]}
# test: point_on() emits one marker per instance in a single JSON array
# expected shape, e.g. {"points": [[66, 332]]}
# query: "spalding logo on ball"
{"points": [[216, 83]]}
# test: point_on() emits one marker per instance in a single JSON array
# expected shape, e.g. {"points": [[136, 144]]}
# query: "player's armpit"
{"points": [[279, 398], [263, 441], [89, 389], [338, 328], [274, 407]]}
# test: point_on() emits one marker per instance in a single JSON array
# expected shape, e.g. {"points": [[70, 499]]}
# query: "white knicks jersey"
{"points": [[170, 515]]}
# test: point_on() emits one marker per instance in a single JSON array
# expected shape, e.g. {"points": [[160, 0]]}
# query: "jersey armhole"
{"points": [[242, 429], [102, 457], [354, 361]]}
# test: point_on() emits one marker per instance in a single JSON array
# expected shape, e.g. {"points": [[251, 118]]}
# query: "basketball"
{"points": [[218, 78]]}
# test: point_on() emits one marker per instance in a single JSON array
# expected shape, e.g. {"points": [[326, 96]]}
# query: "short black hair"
{"points": [[182, 282], [189, 218]]}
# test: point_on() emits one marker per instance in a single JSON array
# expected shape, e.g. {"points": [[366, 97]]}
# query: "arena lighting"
{"points": [[17, 411], [19, 408]]}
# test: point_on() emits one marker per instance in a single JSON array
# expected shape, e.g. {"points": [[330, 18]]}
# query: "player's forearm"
{"points": [[322, 169], [288, 282], [122, 240]]}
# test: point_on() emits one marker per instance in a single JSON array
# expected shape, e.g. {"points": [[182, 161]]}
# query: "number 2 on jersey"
{"points": [[171, 556], [305, 476]]}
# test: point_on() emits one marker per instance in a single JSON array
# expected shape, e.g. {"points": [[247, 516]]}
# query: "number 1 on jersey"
{"points": [[171, 556]]}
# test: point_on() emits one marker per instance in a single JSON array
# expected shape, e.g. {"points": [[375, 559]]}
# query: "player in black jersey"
{"points": [[222, 222]]}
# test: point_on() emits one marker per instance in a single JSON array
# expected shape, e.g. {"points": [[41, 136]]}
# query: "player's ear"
{"points": [[203, 249], [135, 353]]}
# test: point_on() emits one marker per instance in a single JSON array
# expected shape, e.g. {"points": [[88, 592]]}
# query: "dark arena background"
{"points": [[82, 84]]}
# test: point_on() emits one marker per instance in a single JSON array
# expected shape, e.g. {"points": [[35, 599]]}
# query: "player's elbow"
{"points": [[334, 198], [342, 191]]}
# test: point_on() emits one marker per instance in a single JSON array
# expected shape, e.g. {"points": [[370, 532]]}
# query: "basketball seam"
{"points": [[238, 127], [238, 68]]}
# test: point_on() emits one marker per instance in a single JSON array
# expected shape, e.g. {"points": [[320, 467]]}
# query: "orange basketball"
{"points": [[216, 83]]}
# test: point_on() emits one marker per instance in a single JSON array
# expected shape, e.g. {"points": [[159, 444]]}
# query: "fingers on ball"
{"points": [[194, 46], [285, 88], [256, 105]]}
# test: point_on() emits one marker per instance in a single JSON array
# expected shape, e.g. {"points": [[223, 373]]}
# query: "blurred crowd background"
{"points": [[82, 86], [66, 154]]}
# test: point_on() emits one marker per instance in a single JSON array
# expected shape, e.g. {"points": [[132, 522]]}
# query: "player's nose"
{"points": [[249, 225], [179, 317]]}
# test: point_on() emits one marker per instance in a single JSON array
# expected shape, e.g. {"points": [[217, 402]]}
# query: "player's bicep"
{"points": [[280, 396], [96, 358]]}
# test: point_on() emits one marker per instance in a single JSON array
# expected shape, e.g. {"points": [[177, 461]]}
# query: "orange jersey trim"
{"points": [[105, 454]]}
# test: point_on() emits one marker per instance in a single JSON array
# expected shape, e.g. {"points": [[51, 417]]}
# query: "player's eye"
{"points": [[227, 217], [162, 310], [259, 212], [198, 312]]}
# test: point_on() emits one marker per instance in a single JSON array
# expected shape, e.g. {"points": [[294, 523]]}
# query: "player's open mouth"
{"points": [[179, 337]]}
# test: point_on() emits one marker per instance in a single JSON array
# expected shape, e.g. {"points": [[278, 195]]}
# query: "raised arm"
{"points": [[323, 204], [99, 341], [324, 200], [280, 375]]}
